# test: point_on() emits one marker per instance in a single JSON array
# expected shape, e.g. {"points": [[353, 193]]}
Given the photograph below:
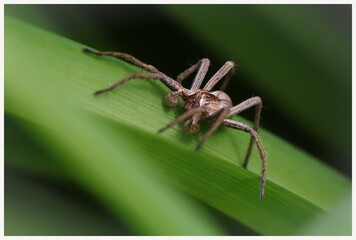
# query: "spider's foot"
{"points": [[87, 50], [200, 144], [100, 91], [262, 194], [262, 191], [162, 129], [244, 165]]}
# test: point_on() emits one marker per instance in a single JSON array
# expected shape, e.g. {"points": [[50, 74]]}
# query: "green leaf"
{"points": [[109, 145]]}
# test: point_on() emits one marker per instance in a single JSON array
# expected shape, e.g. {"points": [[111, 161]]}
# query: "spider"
{"points": [[200, 104]]}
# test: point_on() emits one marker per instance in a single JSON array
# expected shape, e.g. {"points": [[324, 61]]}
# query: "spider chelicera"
{"points": [[213, 106]]}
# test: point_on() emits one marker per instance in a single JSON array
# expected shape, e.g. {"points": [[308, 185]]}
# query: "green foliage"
{"points": [[109, 146]]}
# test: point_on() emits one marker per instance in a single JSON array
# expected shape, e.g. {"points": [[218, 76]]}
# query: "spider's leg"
{"points": [[183, 117], [202, 67], [251, 102], [124, 56], [223, 71], [219, 120], [227, 79], [169, 82], [244, 127]]}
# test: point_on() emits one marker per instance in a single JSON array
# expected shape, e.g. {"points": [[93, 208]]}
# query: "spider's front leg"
{"points": [[219, 119], [171, 99], [192, 128], [153, 73]]}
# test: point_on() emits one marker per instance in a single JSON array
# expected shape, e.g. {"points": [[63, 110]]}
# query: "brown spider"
{"points": [[214, 106]]}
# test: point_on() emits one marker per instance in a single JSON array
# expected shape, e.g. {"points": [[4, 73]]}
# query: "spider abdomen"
{"points": [[223, 99]]}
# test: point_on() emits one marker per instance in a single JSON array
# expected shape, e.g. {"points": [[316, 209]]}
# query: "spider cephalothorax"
{"points": [[210, 102], [213, 100], [201, 104]]}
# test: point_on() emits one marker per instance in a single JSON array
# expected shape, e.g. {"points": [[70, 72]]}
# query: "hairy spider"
{"points": [[213, 106]]}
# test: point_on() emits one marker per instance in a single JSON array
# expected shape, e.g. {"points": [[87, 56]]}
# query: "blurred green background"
{"points": [[297, 58]]}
